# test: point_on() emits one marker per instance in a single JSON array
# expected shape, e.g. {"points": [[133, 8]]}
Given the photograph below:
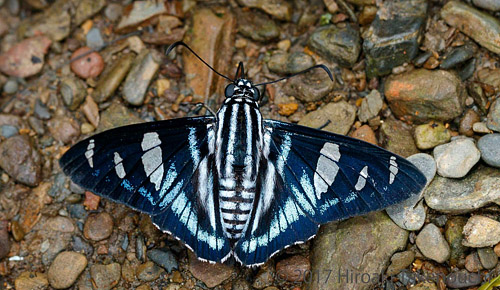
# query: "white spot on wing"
{"points": [[90, 153], [393, 168], [326, 168], [152, 158], [120, 170], [362, 179]]}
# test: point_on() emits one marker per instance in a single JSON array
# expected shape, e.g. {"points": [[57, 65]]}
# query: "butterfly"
{"points": [[236, 185]]}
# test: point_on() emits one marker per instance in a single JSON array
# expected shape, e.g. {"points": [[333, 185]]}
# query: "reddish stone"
{"points": [[25, 58], [91, 200], [366, 134], [89, 66]]}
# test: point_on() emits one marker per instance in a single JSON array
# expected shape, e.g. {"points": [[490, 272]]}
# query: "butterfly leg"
{"points": [[324, 125]]}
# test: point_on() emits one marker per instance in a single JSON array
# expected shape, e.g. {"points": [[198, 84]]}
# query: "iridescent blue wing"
{"points": [[161, 168], [313, 177]]}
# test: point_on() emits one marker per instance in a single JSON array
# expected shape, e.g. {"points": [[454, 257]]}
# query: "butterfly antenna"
{"points": [[240, 71], [181, 43], [322, 66]]}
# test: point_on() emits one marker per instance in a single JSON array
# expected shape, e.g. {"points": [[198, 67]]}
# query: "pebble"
{"points": [[98, 226], [60, 224], [91, 111], [366, 134], [94, 38], [163, 258], [241, 284], [289, 63], [432, 244], [462, 279], [424, 286], [73, 92], [410, 214], [140, 76], [41, 110], [496, 249], [481, 231], [89, 66], [430, 135], [397, 137], [257, 26], [425, 95], [456, 196], [481, 128], [148, 272], [455, 159], [337, 44], [454, 236], [293, 269], [105, 277], [8, 131], [310, 87], [279, 9], [65, 269], [340, 114], [108, 83], [113, 11], [490, 151], [142, 11], [63, 129], [10, 87], [266, 276], [284, 44], [472, 263], [458, 55], [54, 22], [487, 257], [117, 115], [17, 231], [21, 160], [394, 35], [367, 15], [25, 58], [362, 244], [493, 121], [370, 106], [479, 25], [210, 274], [467, 123], [400, 261], [85, 10], [31, 281], [4, 239], [491, 5]]}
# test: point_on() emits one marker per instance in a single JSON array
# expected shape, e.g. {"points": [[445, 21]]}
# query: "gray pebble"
{"points": [[462, 279], [370, 106], [493, 5], [487, 257], [8, 131], [455, 159], [432, 244], [41, 111], [94, 38], [10, 87], [113, 11], [490, 149], [163, 258]]}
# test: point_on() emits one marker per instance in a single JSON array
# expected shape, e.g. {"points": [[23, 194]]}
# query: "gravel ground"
{"points": [[419, 78]]}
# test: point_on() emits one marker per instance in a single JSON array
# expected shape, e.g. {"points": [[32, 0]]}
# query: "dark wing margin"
{"points": [[159, 168], [318, 177]]}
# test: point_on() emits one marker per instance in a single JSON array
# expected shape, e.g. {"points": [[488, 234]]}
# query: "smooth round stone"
{"points": [[472, 263], [432, 244], [410, 214], [481, 128], [489, 145], [487, 257], [455, 159], [98, 227], [481, 231], [65, 269], [430, 135], [10, 87]]}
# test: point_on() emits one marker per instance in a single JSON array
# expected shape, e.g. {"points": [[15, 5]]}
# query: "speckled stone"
{"points": [[481, 231], [105, 277], [341, 116], [65, 269], [455, 159], [432, 244]]}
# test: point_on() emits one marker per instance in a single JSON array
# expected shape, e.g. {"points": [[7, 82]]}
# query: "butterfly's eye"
{"points": [[255, 93], [229, 90]]}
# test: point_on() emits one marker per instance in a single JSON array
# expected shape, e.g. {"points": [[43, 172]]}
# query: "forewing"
{"points": [[159, 168]]}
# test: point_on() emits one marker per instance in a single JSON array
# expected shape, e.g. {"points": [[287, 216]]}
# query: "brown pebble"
{"points": [[98, 226], [211, 274], [4, 239], [91, 111], [148, 272], [293, 269], [64, 129], [496, 249], [467, 122], [91, 200], [177, 277], [31, 281], [17, 231], [65, 269], [89, 66], [366, 134], [287, 109], [472, 263]]}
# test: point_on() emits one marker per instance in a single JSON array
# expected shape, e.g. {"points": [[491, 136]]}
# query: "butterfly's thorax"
{"points": [[238, 149]]}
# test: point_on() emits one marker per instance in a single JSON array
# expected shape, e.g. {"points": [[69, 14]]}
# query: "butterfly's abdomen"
{"points": [[239, 145]]}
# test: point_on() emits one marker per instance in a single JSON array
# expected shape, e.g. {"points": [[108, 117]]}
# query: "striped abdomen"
{"points": [[239, 143]]}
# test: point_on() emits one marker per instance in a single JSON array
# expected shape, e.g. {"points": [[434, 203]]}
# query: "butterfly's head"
{"points": [[242, 88]]}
